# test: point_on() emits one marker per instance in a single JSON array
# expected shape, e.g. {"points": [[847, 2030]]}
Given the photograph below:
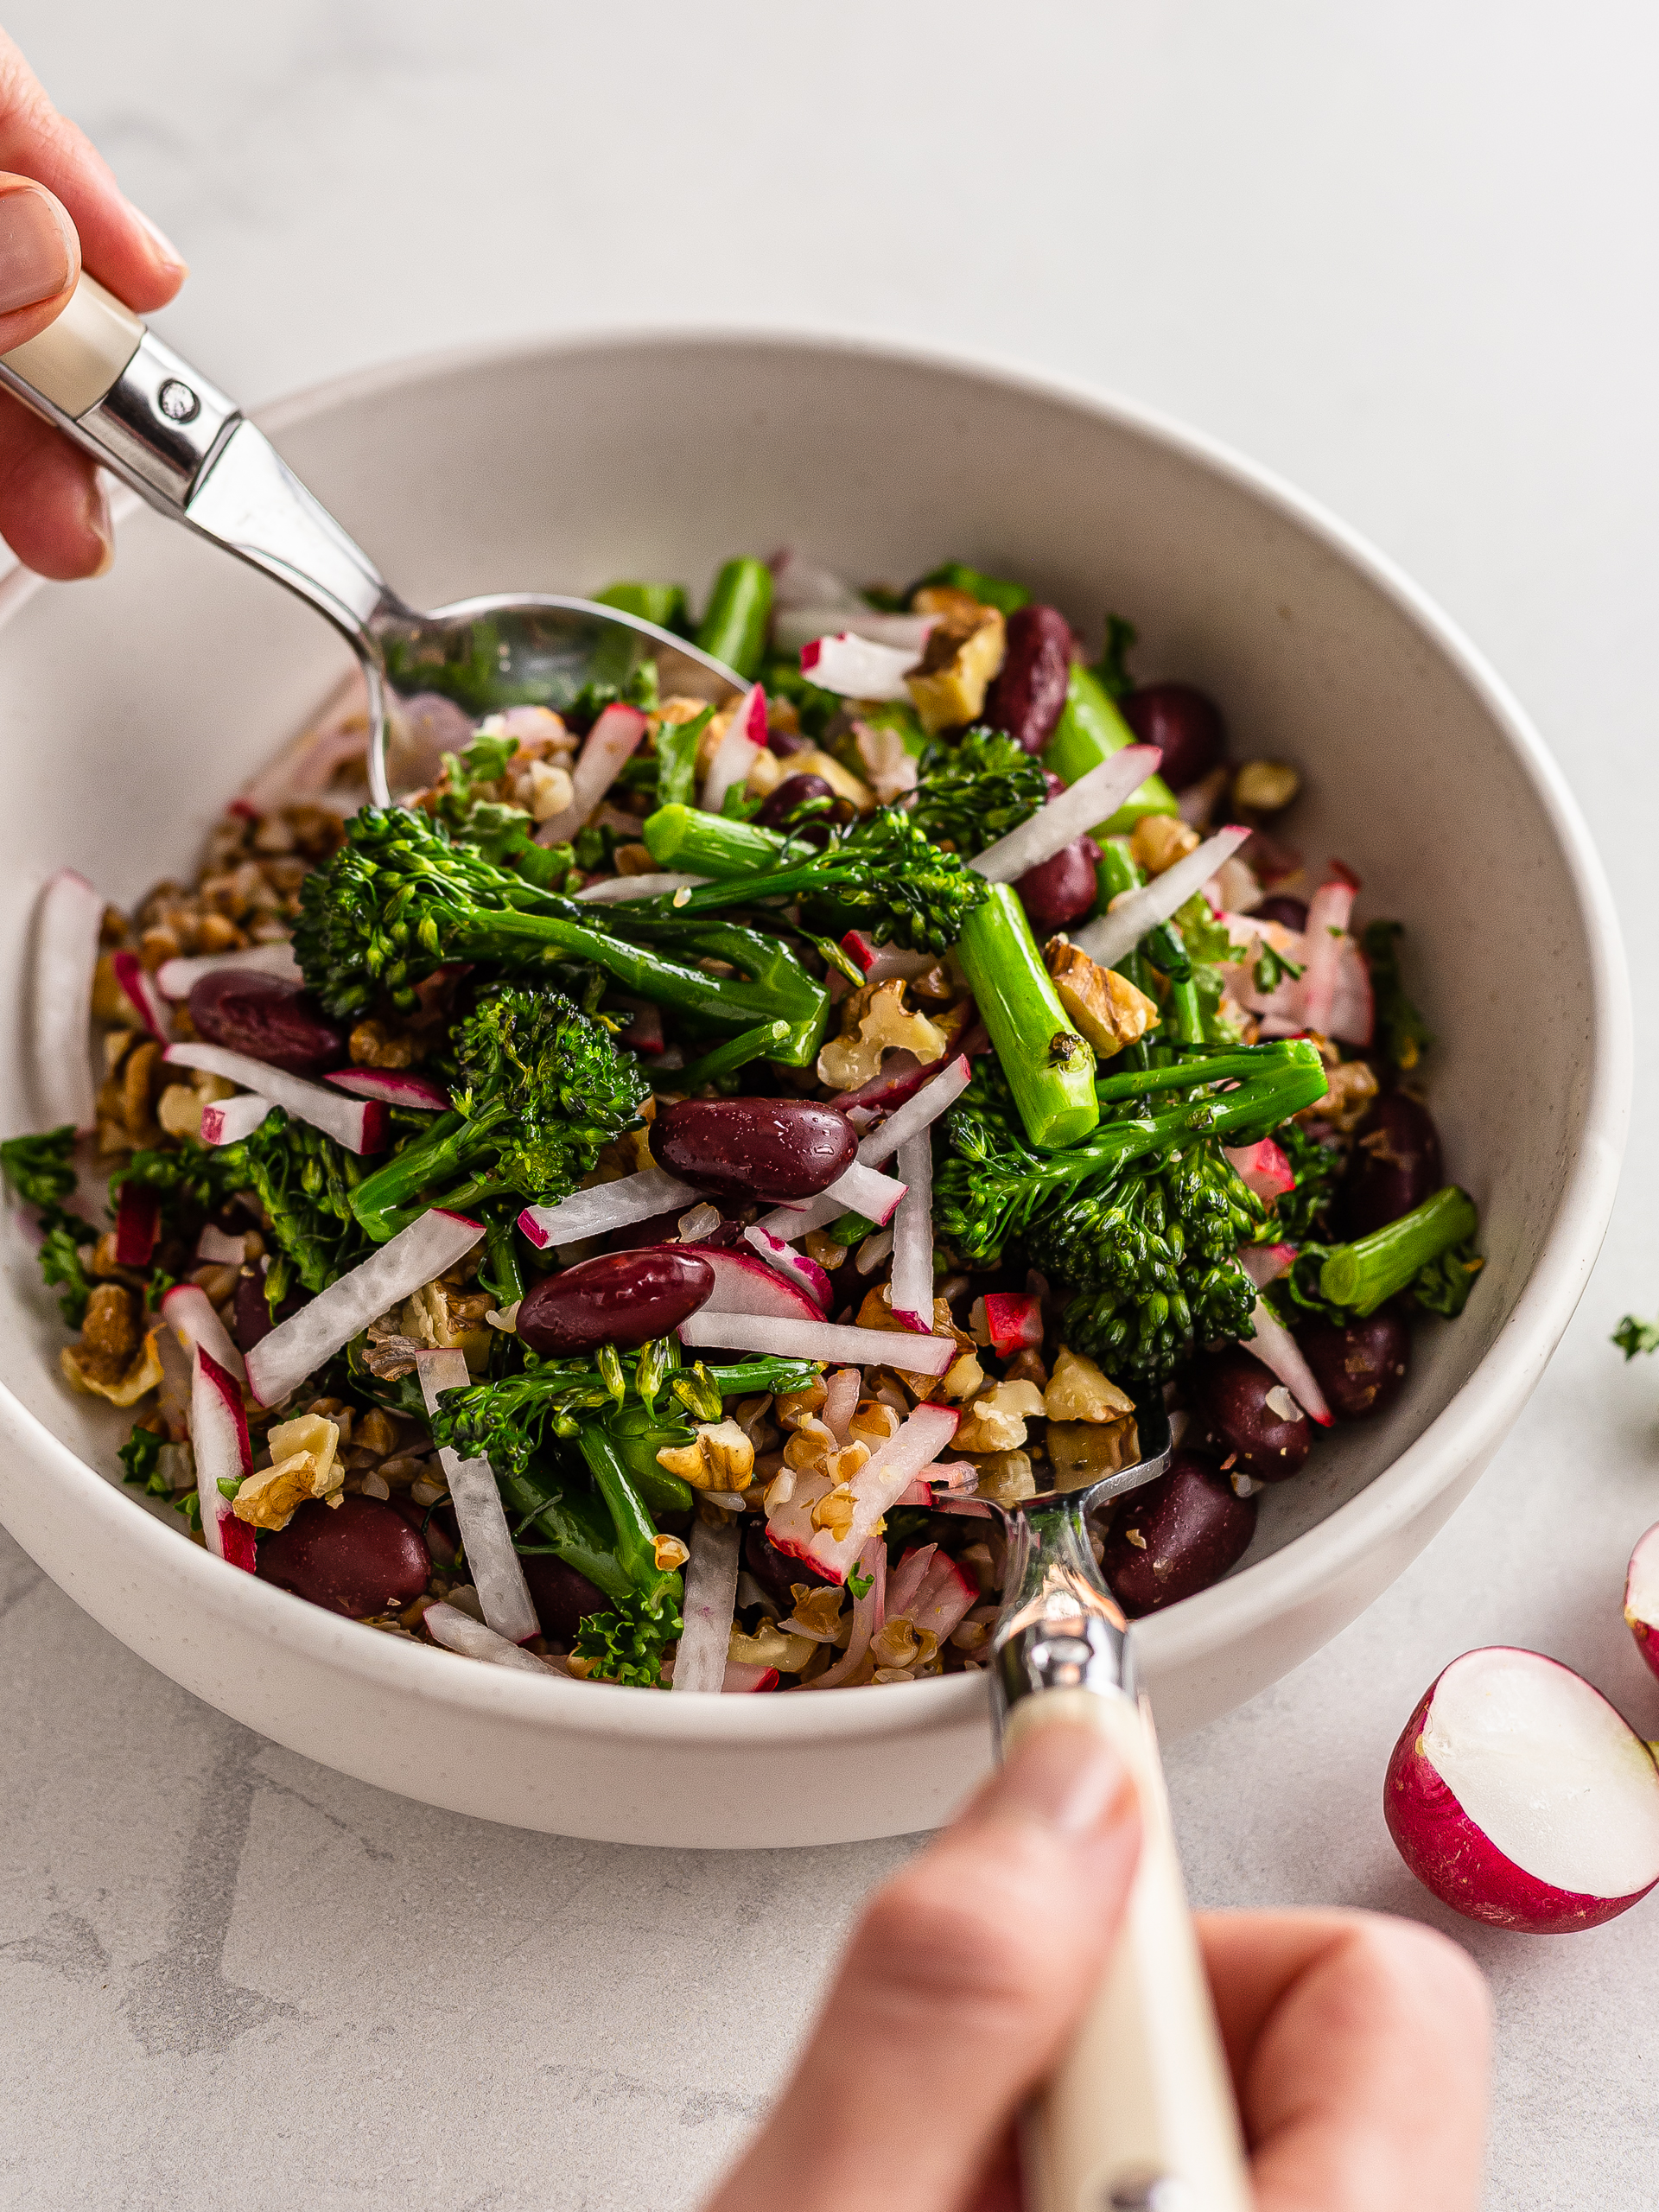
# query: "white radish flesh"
{"points": [[188, 1312], [218, 1437], [178, 978], [796, 1268], [607, 1206], [745, 1284], [614, 890], [1519, 1797], [66, 925], [227, 1121], [1094, 799], [416, 1256], [393, 1087], [841, 1390], [876, 1487], [219, 1250], [1642, 1597], [797, 627], [143, 994], [1133, 912], [497, 1575], [857, 669], [1280, 1354], [918, 1113], [459, 1631], [861, 1189], [609, 745], [912, 1236], [826, 1341], [745, 738], [358, 1124], [708, 1606], [797, 581]]}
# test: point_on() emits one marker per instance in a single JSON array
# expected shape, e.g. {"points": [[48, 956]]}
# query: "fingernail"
{"points": [[1064, 1776], [97, 518], [163, 244], [35, 258]]}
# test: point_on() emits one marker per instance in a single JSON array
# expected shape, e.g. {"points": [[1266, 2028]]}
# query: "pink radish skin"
{"points": [[856, 668], [188, 1312], [227, 1121], [219, 1435], [143, 994], [1263, 1166], [359, 1124], [1519, 1797], [737, 750], [67, 926], [1642, 1597], [868, 1613], [795, 1267], [606, 750], [1013, 1321], [392, 1087], [876, 1487], [744, 1284], [1265, 1264], [138, 1218]]}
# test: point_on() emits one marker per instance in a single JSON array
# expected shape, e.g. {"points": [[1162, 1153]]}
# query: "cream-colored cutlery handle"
{"points": [[1140, 2116], [77, 359]]}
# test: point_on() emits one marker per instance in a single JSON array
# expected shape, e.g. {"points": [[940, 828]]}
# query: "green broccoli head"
{"points": [[976, 792], [40, 1169], [551, 1081], [626, 1644]]}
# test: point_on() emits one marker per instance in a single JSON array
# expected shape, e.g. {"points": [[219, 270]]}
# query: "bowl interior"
{"points": [[133, 707]]}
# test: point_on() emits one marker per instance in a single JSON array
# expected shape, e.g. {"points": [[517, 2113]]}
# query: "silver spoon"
{"points": [[1140, 2116], [99, 376]]}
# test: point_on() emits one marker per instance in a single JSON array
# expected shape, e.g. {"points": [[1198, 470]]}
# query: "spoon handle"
{"points": [[1140, 2115]]}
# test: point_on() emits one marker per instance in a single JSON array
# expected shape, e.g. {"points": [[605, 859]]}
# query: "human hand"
{"points": [[1358, 2044], [57, 203]]}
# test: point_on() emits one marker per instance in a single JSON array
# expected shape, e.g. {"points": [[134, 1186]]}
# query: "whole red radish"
{"points": [[1521, 1798]]}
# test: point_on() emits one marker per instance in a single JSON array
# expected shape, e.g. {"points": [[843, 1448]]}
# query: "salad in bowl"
{"points": [[639, 1207]]}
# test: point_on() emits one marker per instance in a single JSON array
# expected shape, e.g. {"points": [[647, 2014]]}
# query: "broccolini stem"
{"points": [[1049, 1067], [1183, 1008], [1372, 1268], [663, 604], [759, 1042], [1090, 730], [437, 1158], [636, 1534], [735, 627], [501, 1270], [698, 843], [577, 1528], [1237, 1066]]}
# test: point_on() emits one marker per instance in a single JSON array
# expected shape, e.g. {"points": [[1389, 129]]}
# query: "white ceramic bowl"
{"points": [[131, 708]]}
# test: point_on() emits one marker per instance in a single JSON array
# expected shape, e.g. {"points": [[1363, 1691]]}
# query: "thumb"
{"points": [[40, 259], [957, 1992]]}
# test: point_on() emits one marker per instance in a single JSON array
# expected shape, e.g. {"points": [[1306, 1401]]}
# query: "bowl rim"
{"points": [[1471, 1424]]}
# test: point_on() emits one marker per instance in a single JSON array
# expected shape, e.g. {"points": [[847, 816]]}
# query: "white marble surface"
{"points": [[1404, 256]]}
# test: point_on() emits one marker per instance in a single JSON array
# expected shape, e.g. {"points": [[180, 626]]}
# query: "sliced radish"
{"points": [[796, 629], [1265, 1264], [708, 1606], [868, 1613], [218, 1437], [459, 1631], [797, 581], [842, 1392], [856, 668], [1353, 1011], [67, 923], [805, 1275], [1133, 912], [416, 1256], [1009, 1321], [1263, 1166], [1519, 1797], [741, 1680], [917, 1113], [606, 1206], [607, 747], [819, 1339], [1642, 1597], [1280, 1354], [188, 1312], [871, 1252], [744, 740], [744, 1284], [913, 1237], [880, 964], [611, 889], [227, 1121], [1328, 915], [393, 1087], [945, 1595], [497, 1575], [143, 994], [359, 1124], [861, 1189], [1094, 799], [876, 1486], [906, 1579], [137, 1219], [178, 978], [216, 1247]]}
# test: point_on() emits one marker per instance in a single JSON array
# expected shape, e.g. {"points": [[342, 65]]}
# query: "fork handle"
{"points": [[1140, 2115]]}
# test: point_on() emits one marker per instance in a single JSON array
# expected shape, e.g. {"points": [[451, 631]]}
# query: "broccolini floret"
{"points": [[974, 792], [41, 1173]]}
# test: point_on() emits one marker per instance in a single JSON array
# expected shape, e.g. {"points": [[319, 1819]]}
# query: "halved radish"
{"points": [[218, 1437], [1264, 1167], [298, 1346], [1642, 1597], [745, 1284], [856, 668], [1280, 1354], [805, 1275], [708, 1606], [66, 925], [143, 994], [359, 1124], [481, 1517], [190, 1316], [137, 1219], [906, 1579], [1521, 1798], [227, 1121], [393, 1087], [178, 978]]}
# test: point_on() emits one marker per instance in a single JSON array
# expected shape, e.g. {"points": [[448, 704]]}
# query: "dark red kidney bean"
{"points": [[1028, 696], [1289, 913], [1177, 1536], [264, 1017], [620, 1298], [356, 1558], [1184, 726], [1361, 1369], [250, 1315], [783, 742], [436, 1525], [1061, 891], [1394, 1165], [793, 792], [562, 1597], [664, 1228], [1232, 1388], [763, 1149], [774, 1571], [1055, 783]]}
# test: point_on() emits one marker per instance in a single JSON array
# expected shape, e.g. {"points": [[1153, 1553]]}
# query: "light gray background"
{"points": [[1405, 256]]}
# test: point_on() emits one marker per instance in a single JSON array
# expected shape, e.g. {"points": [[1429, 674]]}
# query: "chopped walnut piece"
{"points": [[113, 1360], [668, 1553], [1106, 1008], [1006, 1477], [809, 761], [872, 1423], [1077, 1390], [634, 859], [1350, 1087], [817, 1611], [995, 1420], [963, 653], [550, 789], [962, 1380], [1160, 840], [270, 1497], [824, 1249], [372, 1045], [834, 1510], [179, 1111], [898, 1643], [953, 606], [375, 1432], [771, 1646], [1265, 786], [875, 1020], [794, 1406], [721, 1458], [140, 1080]]}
